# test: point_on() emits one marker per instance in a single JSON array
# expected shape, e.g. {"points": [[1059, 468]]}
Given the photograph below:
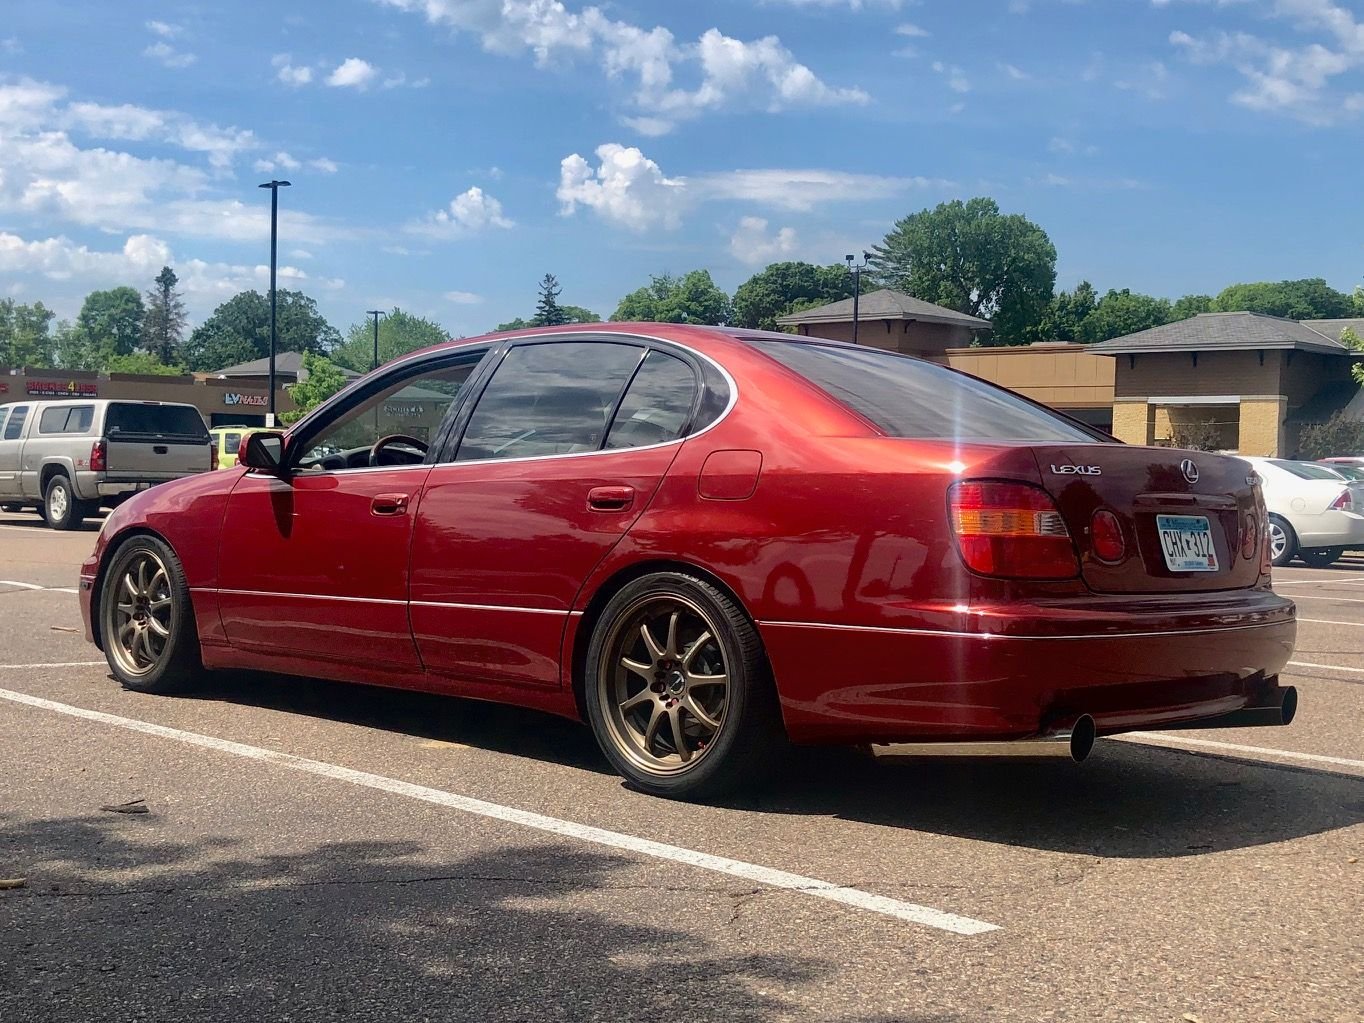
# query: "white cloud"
{"points": [[1070, 147], [468, 213], [727, 72], [955, 76], [300, 254], [1151, 80], [855, 5], [911, 31], [627, 188], [353, 73], [288, 73], [1016, 73], [1306, 81], [324, 165], [169, 55], [285, 162], [463, 297], [752, 244], [163, 29]]}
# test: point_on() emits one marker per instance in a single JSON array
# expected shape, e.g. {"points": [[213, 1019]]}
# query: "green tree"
{"points": [[1342, 434], [399, 333], [548, 312], [163, 329], [321, 378], [1123, 312], [110, 323], [970, 257], [785, 287], [1190, 305], [520, 323], [141, 362], [578, 314], [1061, 319], [692, 298], [239, 330], [1308, 299], [24, 336]]}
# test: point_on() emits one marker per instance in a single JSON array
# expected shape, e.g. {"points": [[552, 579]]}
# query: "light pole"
{"points": [[376, 313], [856, 270], [274, 187]]}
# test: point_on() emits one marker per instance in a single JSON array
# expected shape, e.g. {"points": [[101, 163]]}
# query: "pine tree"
{"points": [[164, 326], [548, 312]]}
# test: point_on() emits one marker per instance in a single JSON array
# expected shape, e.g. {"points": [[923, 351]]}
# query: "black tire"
{"points": [[171, 664], [709, 629], [1321, 557], [1290, 545], [62, 509]]}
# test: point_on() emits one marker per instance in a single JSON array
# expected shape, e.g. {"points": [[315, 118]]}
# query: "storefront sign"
{"points": [[232, 398], [400, 411], [62, 388]]}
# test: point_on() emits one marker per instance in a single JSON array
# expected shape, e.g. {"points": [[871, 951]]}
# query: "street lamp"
{"points": [[376, 313], [856, 270], [274, 187]]}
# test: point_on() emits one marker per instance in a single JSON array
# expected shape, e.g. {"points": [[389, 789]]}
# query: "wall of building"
{"points": [[1213, 373], [1063, 376], [220, 402], [910, 337]]}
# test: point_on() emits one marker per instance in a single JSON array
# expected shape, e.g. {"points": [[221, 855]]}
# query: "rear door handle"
{"points": [[389, 504], [610, 498]]}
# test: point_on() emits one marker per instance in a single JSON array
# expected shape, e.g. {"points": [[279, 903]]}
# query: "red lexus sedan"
{"points": [[707, 542]]}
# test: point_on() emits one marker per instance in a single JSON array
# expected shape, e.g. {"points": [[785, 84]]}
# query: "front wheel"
{"points": [[1283, 542], [1321, 557], [146, 621], [678, 690]]}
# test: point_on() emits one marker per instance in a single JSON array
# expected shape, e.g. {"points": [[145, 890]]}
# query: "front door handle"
{"points": [[389, 504], [610, 498]]}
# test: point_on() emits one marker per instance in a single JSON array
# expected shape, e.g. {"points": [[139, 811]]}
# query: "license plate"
{"points": [[1187, 543]]}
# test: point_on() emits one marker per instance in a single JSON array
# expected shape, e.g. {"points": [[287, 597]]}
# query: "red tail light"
{"points": [[1011, 530], [1345, 502], [212, 455], [99, 455], [1249, 534], [1105, 537]]}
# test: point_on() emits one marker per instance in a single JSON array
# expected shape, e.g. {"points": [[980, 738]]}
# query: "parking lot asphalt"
{"points": [[317, 851]]}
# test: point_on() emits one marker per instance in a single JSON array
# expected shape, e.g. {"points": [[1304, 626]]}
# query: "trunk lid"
{"points": [[1176, 509]]}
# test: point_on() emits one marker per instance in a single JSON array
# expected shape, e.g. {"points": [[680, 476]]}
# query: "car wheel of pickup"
{"points": [[1283, 542], [61, 507], [678, 690], [146, 621]]}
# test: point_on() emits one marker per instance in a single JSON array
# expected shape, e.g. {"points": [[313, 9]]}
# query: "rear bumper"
{"points": [[856, 684], [1333, 529]]}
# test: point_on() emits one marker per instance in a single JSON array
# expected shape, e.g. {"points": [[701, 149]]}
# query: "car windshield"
{"points": [[907, 397], [137, 420]]}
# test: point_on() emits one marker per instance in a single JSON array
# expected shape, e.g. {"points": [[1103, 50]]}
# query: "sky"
{"points": [[445, 154]]}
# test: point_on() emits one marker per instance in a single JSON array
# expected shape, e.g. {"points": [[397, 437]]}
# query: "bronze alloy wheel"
{"points": [[140, 613], [664, 684]]}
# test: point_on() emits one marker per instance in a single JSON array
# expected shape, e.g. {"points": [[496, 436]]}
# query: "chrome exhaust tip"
{"points": [[1074, 743]]}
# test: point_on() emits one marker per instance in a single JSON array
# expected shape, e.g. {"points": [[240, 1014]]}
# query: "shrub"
{"points": [[1342, 434]]}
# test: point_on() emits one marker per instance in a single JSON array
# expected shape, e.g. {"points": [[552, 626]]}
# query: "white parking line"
{"points": [[1320, 582], [1328, 621], [1327, 596], [853, 897], [1327, 667], [1184, 742], [52, 664], [35, 586]]}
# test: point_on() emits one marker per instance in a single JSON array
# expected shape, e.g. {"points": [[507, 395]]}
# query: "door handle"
{"points": [[388, 504], [610, 498]]}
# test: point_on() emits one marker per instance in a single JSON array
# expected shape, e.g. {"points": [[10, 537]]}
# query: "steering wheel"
{"points": [[380, 445]]}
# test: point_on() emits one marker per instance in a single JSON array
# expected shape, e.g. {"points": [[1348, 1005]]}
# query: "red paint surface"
{"points": [[842, 553]]}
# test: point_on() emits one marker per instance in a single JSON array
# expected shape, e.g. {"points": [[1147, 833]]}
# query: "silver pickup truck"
{"points": [[67, 458]]}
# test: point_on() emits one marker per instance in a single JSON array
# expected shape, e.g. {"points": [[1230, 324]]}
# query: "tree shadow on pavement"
{"points": [[1129, 800], [118, 923]]}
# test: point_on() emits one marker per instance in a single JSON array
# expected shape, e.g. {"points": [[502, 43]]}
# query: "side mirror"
{"points": [[263, 451]]}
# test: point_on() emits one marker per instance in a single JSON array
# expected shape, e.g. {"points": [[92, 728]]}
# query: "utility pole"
{"points": [[856, 270], [274, 187], [376, 313]]}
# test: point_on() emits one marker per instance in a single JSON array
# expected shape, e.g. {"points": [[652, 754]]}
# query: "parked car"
{"points": [[708, 542], [227, 442], [1316, 513], [67, 458], [1350, 460]]}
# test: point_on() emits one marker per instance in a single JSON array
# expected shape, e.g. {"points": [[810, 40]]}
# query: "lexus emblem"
{"points": [[1189, 470]]}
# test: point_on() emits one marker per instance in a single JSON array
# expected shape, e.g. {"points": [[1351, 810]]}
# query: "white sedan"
{"points": [[1314, 513]]}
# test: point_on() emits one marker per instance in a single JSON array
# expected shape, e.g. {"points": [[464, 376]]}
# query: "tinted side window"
{"points": [[53, 420], [907, 397], [549, 399], [66, 419], [16, 422], [658, 404], [232, 443]]}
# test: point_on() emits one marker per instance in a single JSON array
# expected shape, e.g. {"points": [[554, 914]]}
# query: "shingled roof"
{"points": [[884, 305], [1225, 332]]}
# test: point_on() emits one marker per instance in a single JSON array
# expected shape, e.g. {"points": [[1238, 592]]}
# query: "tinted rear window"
{"points": [[155, 421], [906, 397], [1305, 470]]}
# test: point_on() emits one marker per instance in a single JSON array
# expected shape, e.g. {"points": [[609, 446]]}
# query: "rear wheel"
{"points": [[146, 621], [1283, 542], [678, 691], [1321, 557], [61, 507]]}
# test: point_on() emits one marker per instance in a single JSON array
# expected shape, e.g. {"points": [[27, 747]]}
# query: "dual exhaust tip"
{"points": [[1076, 741]]}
